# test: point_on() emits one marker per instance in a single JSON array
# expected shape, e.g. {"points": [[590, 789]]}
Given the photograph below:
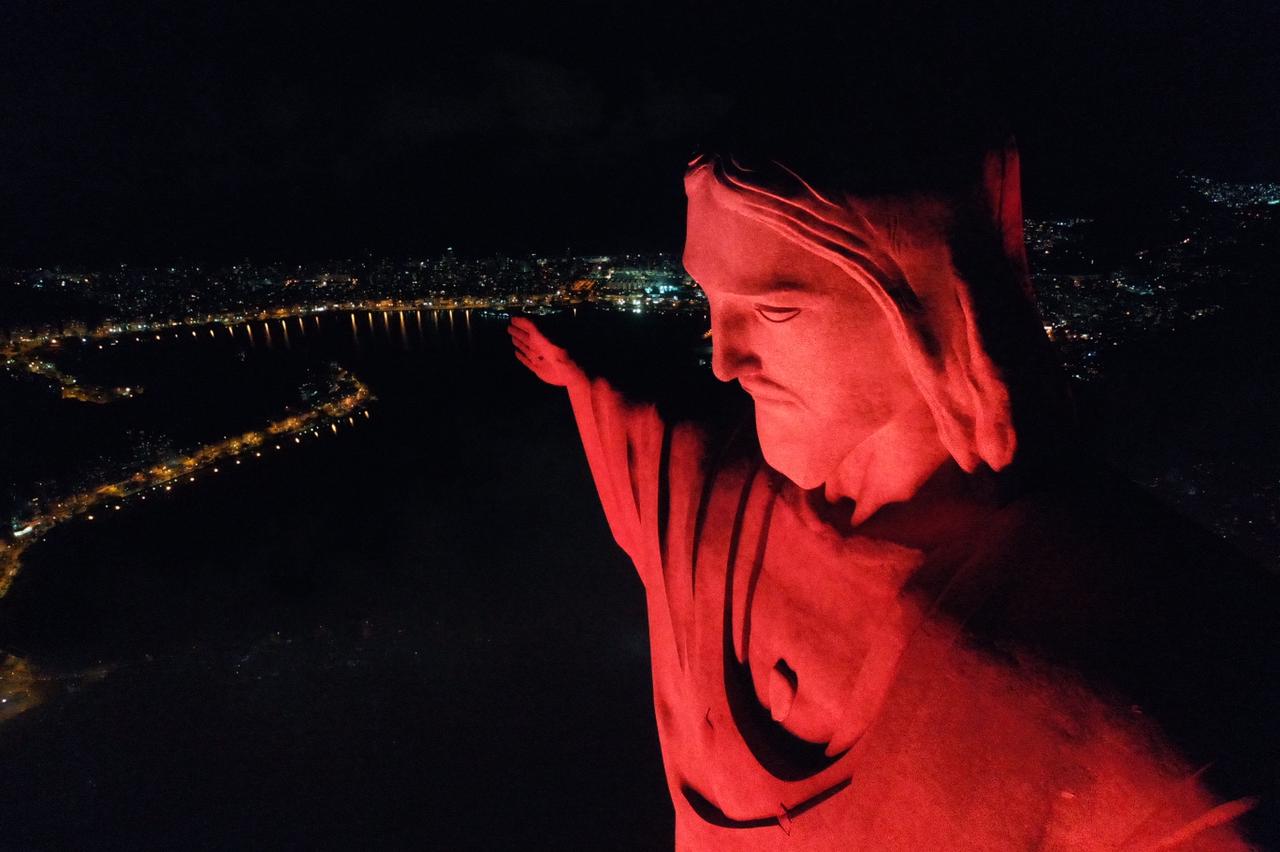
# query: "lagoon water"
{"points": [[414, 633]]}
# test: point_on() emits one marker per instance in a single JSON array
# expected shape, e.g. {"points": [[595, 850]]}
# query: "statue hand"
{"points": [[543, 358]]}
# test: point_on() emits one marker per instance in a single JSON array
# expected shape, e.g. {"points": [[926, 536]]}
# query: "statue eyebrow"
{"points": [[781, 287], [785, 286], [788, 288]]}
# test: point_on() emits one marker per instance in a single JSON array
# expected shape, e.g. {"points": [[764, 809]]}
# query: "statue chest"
{"points": [[779, 659], [819, 621]]}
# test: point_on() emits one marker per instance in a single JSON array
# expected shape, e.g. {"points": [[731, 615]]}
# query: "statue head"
{"points": [[867, 312], [814, 351]]}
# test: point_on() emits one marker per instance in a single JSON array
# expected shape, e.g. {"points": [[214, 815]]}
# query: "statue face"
{"points": [[800, 336]]}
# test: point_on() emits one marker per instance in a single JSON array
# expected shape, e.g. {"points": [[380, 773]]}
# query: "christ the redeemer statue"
{"points": [[899, 610]]}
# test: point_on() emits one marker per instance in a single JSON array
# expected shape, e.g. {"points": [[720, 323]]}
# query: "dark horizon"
{"points": [[291, 132]]}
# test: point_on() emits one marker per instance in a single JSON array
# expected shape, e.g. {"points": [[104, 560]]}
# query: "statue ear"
{"points": [[1002, 183]]}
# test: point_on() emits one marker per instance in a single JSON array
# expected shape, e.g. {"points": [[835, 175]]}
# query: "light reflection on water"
{"points": [[379, 326]]}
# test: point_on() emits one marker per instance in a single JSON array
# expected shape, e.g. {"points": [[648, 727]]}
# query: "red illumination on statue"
{"points": [[886, 617]]}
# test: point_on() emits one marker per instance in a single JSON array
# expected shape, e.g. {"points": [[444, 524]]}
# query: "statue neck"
{"points": [[890, 465]]}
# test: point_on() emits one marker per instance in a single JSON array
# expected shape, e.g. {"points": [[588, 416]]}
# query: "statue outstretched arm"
{"points": [[623, 439]]}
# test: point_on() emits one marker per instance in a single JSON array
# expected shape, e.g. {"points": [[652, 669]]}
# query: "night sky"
{"points": [[214, 131]]}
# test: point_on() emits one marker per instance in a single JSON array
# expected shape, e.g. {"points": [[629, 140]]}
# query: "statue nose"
{"points": [[729, 362], [731, 353]]}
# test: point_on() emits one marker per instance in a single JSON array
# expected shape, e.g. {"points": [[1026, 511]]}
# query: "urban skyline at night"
{"points": [[581, 425], [1092, 305]]}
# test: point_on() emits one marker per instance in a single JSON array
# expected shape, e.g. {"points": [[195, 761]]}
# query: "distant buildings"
{"points": [[1239, 196]]}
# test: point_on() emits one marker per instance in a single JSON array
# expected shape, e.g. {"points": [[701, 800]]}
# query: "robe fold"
{"points": [[991, 682]]}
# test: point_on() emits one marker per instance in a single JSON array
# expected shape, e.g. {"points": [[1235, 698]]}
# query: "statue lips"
{"points": [[763, 390]]}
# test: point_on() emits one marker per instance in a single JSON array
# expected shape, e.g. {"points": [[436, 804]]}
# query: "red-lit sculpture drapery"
{"points": [[862, 635]]}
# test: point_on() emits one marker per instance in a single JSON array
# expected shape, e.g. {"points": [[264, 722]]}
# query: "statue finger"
{"points": [[526, 360], [523, 324]]}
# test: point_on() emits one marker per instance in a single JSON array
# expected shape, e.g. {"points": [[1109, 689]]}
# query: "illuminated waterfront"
{"points": [[349, 399], [346, 396]]}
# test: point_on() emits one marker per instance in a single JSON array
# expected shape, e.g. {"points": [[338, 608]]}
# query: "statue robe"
{"points": [[960, 672]]}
